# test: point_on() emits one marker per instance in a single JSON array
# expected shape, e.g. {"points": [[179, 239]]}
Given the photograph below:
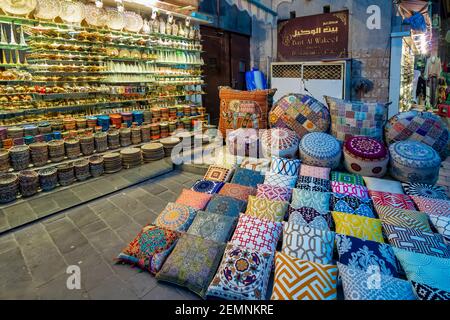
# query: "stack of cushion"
{"points": [[320, 150]]}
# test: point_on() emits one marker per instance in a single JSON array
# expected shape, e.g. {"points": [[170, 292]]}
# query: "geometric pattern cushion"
{"points": [[442, 225], [297, 279], [266, 209], [383, 185], [247, 177], [225, 205], [212, 226], [207, 186], [197, 200], [358, 226], [269, 192], [284, 166], [176, 217], [403, 218], [315, 172], [350, 189], [425, 190], [237, 191], [350, 178], [218, 173], [354, 205], [399, 201], [279, 180], [432, 206], [310, 217], [313, 184], [311, 199], [427, 293], [262, 165]]}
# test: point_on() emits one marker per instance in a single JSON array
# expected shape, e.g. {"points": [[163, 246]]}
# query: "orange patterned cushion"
{"points": [[194, 199], [237, 191]]}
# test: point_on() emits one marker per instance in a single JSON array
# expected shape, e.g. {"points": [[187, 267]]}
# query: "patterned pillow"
{"points": [[279, 180], [247, 177], [442, 225], [307, 243], [315, 172], [257, 234], [358, 226], [399, 201], [150, 248], [266, 209], [367, 255], [266, 191], [227, 206], [350, 178], [297, 279], [176, 216], [360, 285], [432, 206], [424, 292], [403, 218], [354, 205], [425, 269], [243, 274], [310, 217], [350, 189], [313, 184], [193, 199], [192, 263], [383, 185], [237, 191], [218, 173], [262, 165], [207, 186], [288, 167], [425, 190], [212, 226], [417, 241], [311, 199]]}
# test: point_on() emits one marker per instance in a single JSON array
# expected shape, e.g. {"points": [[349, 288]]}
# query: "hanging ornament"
{"points": [[13, 37], [3, 39], [22, 38]]}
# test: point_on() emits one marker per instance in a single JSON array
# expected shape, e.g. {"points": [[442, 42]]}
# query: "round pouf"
{"points": [[366, 156], [413, 161], [424, 127], [300, 113], [243, 142], [321, 150], [280, 142]]}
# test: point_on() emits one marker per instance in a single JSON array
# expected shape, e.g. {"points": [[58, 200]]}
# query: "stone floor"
{"points": [[34, 259]]}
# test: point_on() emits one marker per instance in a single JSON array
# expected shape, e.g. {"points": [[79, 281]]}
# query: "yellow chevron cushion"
{"points": [[358, 226]]}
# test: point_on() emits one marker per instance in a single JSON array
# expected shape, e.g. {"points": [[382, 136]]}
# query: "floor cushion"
{"points": [[358, 226], [266, 209], [320, 150], [425, 190], [212, 226], [176, 216], [197, 200], [279, 180], [403, 218], [442, 225], [218, 173], [346, 177], [288, 167], [313, 184], [320, 201], [315, 172], [237, 191], [280, 142], [207, 186], [383, 185], [428, 293], [310, 217], [432, 206], [400, 201], [353, 190], [225, 205], [354, 205], [269, 192], [246, 177]]}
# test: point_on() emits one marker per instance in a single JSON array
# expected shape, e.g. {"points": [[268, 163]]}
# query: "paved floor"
{"points": [[34, 259]]}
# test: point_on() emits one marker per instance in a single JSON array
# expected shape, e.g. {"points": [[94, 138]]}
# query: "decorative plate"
{"points": [[95, 16], [134, 22], [19, 8], [72, 11], [47, 9], [115, 20]]}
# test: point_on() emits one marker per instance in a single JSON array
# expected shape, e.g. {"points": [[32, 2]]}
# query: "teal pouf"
{"points": [[413, 161], [321, 150]]}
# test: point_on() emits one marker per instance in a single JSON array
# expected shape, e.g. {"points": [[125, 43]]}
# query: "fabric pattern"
{"points": [[425, 190], [354, 205], [237, 191], [297, 279], [359, 285], [280, 142], [269, 192], [193, 199], [358, 226], [315, 172], [278, 180], [307, 243], [243, 142], [243, 274], [262, 165], [442, 225], [319, 201], [216, 227], [257, 234], [350, 178], [288, 167], [428, 293], [432, 206], [310, 217], [417, 241], [313, 184], [366, 255], [321, 150], [192, 263], [247, 177], [218, 173], [207, 186], [176, 216], [266, 209], [150, 248], [383, 185], [350, 189], [399, 201], [403, 218], [227, 206]]}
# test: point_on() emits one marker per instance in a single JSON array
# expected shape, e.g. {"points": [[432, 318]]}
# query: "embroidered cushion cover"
{"points": [[400, 201], [321, 150], [266, 209], [279, 180], [311, 199], [218, 173], [350, 189], [176, 216], [345, 177], [280, 142], [425, 190], [442, 225], [403, 218], [193, 199], [227, 206], [269, 192], [354, 205], [313, 184], [207, 186], [216, 227], [428, 293], [243, 274], [383, 185], [237, 191], [247, 177], [310, 217], [432, 206], [315, 172], [358, 226], [285, 166]]}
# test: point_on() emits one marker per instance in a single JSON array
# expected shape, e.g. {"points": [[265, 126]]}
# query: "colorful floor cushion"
{"points": [[351, 118], [367, 256], [212, 226], [358, 226], [354, 205], [237, 191], [247, 177], [319, 201], [243, 274], [176, 216], [225, 205], [315, 172], [301, 113], [288, 167], [366, 156], [280, 142], [427, 293], [207, 186], [243, 142], [279, 180], [197, 200], [262, 164], [425, 269], [266, 209], [150, 248], [432, 206], [307, 243], [360, 285], [403, 218], [353, 190], [417, 241], [413, 161], [424, 127], [297, 279], [218, 173], [442, 225], [313, 184], [257, 234], [269, 192], [349, 178], [192, 263], [310, 217], [399, 201], [383, 185], [425, 190], [320, 150]]}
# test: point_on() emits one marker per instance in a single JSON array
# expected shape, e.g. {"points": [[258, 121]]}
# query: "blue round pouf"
{"points": [[321, 150], [413, 161]]}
